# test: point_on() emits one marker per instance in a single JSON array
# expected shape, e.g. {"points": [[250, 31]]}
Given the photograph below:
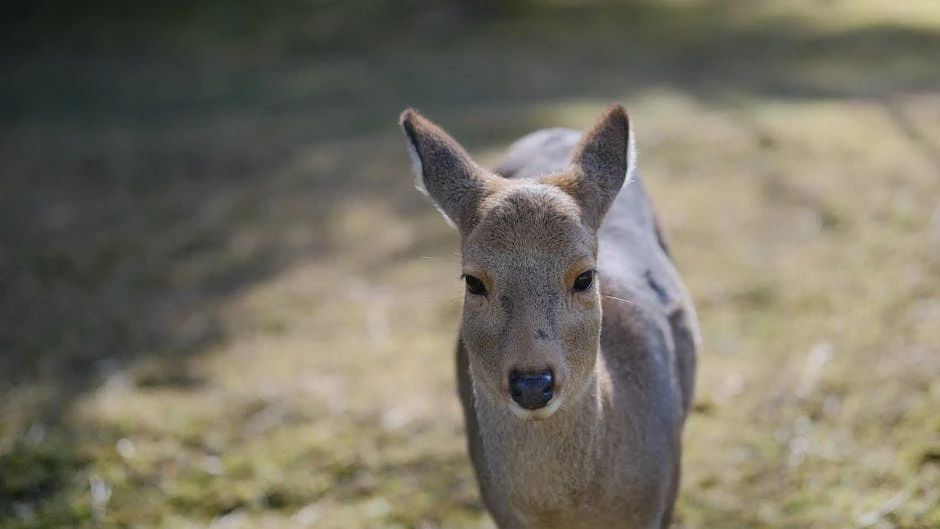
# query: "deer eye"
{"points": [[474, 285], [583, 281]]}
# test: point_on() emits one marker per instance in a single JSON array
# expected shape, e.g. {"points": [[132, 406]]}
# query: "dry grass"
{"points": [[223, 303]]}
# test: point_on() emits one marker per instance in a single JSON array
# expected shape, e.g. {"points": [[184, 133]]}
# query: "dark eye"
{"points": [[583, 281], [474, 286]]}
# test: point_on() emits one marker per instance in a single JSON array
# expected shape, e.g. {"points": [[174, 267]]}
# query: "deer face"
{"points": [[532, 311]]}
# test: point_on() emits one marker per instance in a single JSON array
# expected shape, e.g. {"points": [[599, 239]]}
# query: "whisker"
{"points": [[619, 299]]}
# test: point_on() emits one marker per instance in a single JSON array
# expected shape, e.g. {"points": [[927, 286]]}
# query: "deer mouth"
{"points": [[539, 414]]}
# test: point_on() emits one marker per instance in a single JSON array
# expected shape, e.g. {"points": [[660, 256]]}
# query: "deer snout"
{"points": [[531, 390]]}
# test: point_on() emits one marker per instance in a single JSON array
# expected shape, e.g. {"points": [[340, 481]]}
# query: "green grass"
{"points": [[224, 304]]}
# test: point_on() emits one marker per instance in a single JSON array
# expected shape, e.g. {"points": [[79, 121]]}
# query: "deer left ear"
{"points": [[444, 171], [601, 163]]}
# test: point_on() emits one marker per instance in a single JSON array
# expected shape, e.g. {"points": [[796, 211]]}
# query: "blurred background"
{"points": [[224, 305]]}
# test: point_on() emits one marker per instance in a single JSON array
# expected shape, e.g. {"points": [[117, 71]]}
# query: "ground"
{"points": [[223, 303]]}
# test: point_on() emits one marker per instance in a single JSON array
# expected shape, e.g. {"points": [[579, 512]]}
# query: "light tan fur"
{"points": [[605, 451]]}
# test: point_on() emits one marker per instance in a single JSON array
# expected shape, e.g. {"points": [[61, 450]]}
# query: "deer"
{"points": [[578, 343]]}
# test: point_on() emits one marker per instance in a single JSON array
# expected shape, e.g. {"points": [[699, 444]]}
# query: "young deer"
{"points": [[573, 419]]}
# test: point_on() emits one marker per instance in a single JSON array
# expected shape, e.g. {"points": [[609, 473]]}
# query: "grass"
{"points": [[224, 305]]}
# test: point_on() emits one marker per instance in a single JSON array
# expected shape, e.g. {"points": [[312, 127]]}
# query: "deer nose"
{"points": [[531, 390]]}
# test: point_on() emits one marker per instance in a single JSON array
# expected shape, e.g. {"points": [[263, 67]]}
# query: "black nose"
{"points": [[531, 390]]}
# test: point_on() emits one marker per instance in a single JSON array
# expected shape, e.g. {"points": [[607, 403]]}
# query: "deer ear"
{"points": [[443, 170], [601, 163]]}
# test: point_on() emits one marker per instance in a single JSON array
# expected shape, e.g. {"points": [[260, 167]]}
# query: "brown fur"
{"points": [[623, 352]]}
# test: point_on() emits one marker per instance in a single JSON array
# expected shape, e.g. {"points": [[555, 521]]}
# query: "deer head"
{"points": [[532, 309]]}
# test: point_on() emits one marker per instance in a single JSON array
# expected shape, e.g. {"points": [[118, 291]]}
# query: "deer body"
{"points": [[616, 359]]}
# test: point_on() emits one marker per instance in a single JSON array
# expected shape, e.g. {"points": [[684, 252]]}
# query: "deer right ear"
{"points": [[443, 170], [601, 163]]}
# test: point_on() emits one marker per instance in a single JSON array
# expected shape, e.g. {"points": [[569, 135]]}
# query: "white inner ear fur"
{"points": [[418, 169], [631, 154]]}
